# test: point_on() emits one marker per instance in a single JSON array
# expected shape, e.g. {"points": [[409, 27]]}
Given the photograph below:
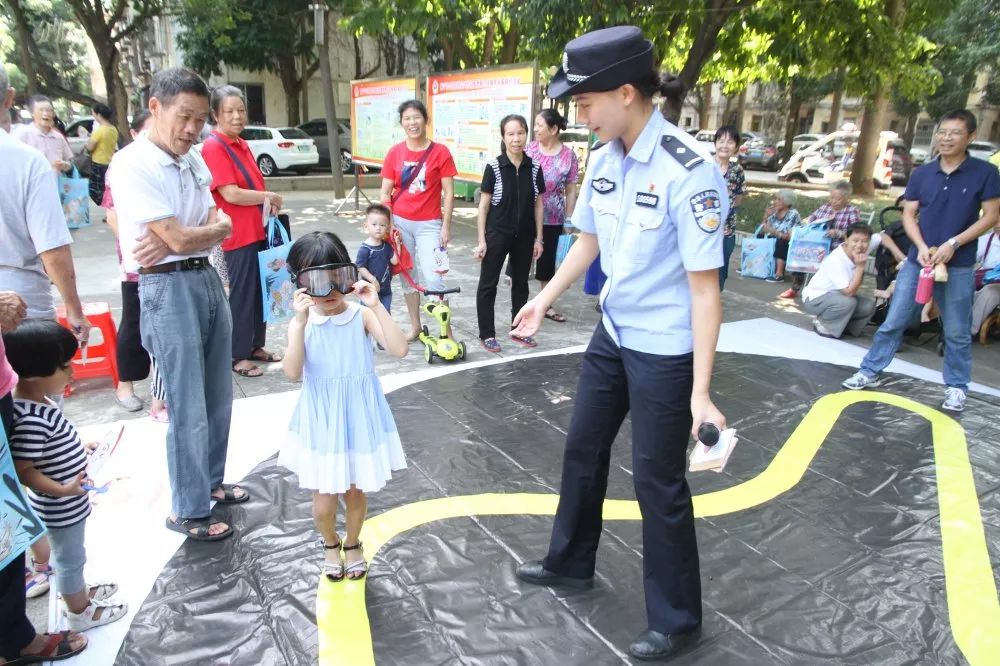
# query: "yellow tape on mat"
{"points": [[973, 607]]}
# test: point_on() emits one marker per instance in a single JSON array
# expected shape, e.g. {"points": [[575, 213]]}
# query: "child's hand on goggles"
{"points": [[367, 292], [301, 304]]}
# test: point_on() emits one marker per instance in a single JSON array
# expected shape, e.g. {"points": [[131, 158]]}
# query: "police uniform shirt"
{"points": [[657, 213]]}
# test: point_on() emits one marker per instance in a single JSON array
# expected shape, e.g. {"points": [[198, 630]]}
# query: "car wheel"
{"points": [[267, 166], [796, 178], [346, 163]]}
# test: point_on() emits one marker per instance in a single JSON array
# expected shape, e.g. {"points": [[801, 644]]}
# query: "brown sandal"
{"points": [[252, 371], [57, 647]]}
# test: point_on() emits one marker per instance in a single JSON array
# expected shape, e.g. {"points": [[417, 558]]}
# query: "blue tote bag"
{"points": [[275, 280], [19, 526], [74, 195], [565, 243], [807, 248], [757, 256]]}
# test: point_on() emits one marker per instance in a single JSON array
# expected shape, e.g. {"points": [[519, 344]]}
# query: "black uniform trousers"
{"points": [[500, 246], [15, 628], [246, 300], [657, 391]]}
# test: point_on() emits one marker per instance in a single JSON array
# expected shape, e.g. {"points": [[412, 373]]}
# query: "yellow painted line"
{"points": [[973, 607]]}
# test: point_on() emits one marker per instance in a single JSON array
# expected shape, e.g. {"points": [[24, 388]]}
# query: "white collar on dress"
{"points": [[339, 319]]}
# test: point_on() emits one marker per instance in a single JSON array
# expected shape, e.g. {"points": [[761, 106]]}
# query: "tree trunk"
{"points": [[291, 85], [110, 58], [910, 129], [741, 109], [838, 101], [24, 39], [791, 121], [876, 108], [491, 35], [330, 102], [304, 65], [705, 111]]}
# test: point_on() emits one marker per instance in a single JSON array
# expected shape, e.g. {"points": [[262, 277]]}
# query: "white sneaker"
{"points": [[85, 620], [954, 399], [860, 380]]}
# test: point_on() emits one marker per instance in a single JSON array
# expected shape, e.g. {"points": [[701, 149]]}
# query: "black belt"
{"points": [[194, 263]]}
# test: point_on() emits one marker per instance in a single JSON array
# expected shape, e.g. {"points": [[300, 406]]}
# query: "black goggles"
{"points": [[321, 281]]}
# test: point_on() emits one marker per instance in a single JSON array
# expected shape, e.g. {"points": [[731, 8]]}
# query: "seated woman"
{"points": [[986, 299], [840, 214], [779, 220], [832, 295]]}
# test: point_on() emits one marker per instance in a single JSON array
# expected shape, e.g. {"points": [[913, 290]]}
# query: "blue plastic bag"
{"points": [[757, 256], [807, 248], [275, 280], [74, 195], [563, 245]]}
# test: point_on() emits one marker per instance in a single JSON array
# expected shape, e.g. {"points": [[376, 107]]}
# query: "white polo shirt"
{"points": [[31, 222], [834, 274], [149, 184]]}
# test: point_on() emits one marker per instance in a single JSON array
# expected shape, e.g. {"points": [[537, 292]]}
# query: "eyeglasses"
{"points": [[321, 281], [950, 134]]}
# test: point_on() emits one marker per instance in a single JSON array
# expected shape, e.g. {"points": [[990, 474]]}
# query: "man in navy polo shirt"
{"points": [[948, 194]]}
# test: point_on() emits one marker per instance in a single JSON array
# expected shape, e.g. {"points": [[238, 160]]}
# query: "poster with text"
{"points": [[375, 117], [466, 107]]}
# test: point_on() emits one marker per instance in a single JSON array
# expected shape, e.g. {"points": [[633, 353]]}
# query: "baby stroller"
{"points": [[891, 223]]}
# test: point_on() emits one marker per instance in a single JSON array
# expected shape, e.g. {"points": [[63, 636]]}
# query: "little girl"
{"points": [[51, 462], [342, 438]]}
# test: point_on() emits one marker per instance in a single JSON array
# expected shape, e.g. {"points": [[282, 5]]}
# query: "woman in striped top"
{"points": [[51, 462]]}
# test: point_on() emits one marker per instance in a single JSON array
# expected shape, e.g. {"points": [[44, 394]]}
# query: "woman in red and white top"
{"points": [[415, 173], [238, 189]]}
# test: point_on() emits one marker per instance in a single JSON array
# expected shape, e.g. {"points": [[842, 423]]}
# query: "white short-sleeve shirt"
{"points": [[149, 184], [834, 274], [657, 213], [31, 222]]}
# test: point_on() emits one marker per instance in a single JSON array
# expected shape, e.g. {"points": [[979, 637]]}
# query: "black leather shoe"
{"points": [[652, 645], [535, 573]]}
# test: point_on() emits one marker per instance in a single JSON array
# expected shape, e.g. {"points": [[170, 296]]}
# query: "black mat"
{"points": [[844, 568]]}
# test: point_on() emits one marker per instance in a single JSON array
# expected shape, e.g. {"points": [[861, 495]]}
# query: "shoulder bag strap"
{"points": [[413, 174], [236, 160]]}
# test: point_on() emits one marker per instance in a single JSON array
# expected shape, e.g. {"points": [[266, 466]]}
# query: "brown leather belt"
{"points": [[194, 263]]}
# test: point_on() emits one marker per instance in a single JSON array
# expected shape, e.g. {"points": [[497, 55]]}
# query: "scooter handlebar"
{"points": [[442, 292]]}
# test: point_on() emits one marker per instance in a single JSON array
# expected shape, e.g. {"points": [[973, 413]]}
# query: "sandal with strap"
{"points": [[356, 570], [57, 647], [86, 620], [36, 580], [101, 591], [229, 495], [261, 355], [333, 571], [200, 527]]}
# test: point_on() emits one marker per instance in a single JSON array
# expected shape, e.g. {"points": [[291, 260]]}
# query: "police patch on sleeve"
{"points": [[707, 209], [602, 185]]}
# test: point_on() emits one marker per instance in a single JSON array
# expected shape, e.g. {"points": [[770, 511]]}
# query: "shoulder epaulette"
{"points": [[688, 158]]}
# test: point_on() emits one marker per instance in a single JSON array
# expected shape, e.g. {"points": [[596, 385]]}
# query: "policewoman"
{"points": [[654, 208]]}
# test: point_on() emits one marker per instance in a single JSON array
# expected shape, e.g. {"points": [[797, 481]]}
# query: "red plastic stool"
{"points": [[102, 354]]}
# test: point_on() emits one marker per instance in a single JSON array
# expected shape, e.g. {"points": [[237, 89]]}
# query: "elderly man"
{"points": [[167, 224], [42, 135]]}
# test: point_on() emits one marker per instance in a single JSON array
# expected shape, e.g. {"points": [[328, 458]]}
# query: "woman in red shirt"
{"points": [[415, 173], [238, 189]]}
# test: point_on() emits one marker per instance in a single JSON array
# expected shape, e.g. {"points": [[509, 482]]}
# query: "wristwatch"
{"points": [[540, 241], [954, 242]]}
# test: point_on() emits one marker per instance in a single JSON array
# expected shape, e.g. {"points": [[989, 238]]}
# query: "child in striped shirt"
{"points": [[51, 462]]}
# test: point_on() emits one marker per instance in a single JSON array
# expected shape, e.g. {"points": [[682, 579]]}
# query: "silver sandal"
{"points": [[333, 571], [360, 568]]}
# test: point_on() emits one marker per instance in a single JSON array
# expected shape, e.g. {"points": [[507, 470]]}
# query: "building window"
{"points": [[894, 126], [756, 122], [923, 135], [687, 121], [254, 95], [825, 127]]}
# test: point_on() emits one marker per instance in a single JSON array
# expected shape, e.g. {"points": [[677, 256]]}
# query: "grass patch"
{"points": [[751, 212]]}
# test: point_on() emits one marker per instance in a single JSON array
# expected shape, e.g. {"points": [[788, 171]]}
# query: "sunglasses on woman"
{"points": [[321, 281]]}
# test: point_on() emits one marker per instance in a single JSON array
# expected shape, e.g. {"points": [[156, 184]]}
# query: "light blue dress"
{"points": [[342, 431]]}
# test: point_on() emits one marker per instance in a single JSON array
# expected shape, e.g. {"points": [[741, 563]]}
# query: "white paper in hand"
{"points": [[713, 458], [104, 451]]}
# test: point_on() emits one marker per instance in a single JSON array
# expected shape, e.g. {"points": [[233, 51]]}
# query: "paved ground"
{"points": [[98, 278]]}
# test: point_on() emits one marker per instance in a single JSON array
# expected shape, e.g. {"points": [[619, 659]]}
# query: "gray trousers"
{"points": [[984, 303], [837, 313], [186, 326]]}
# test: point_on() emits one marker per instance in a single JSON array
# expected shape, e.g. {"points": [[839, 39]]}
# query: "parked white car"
{"points": [[983, 149], [280, 148], [830, 159], [706, 140], [78, 133]]}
